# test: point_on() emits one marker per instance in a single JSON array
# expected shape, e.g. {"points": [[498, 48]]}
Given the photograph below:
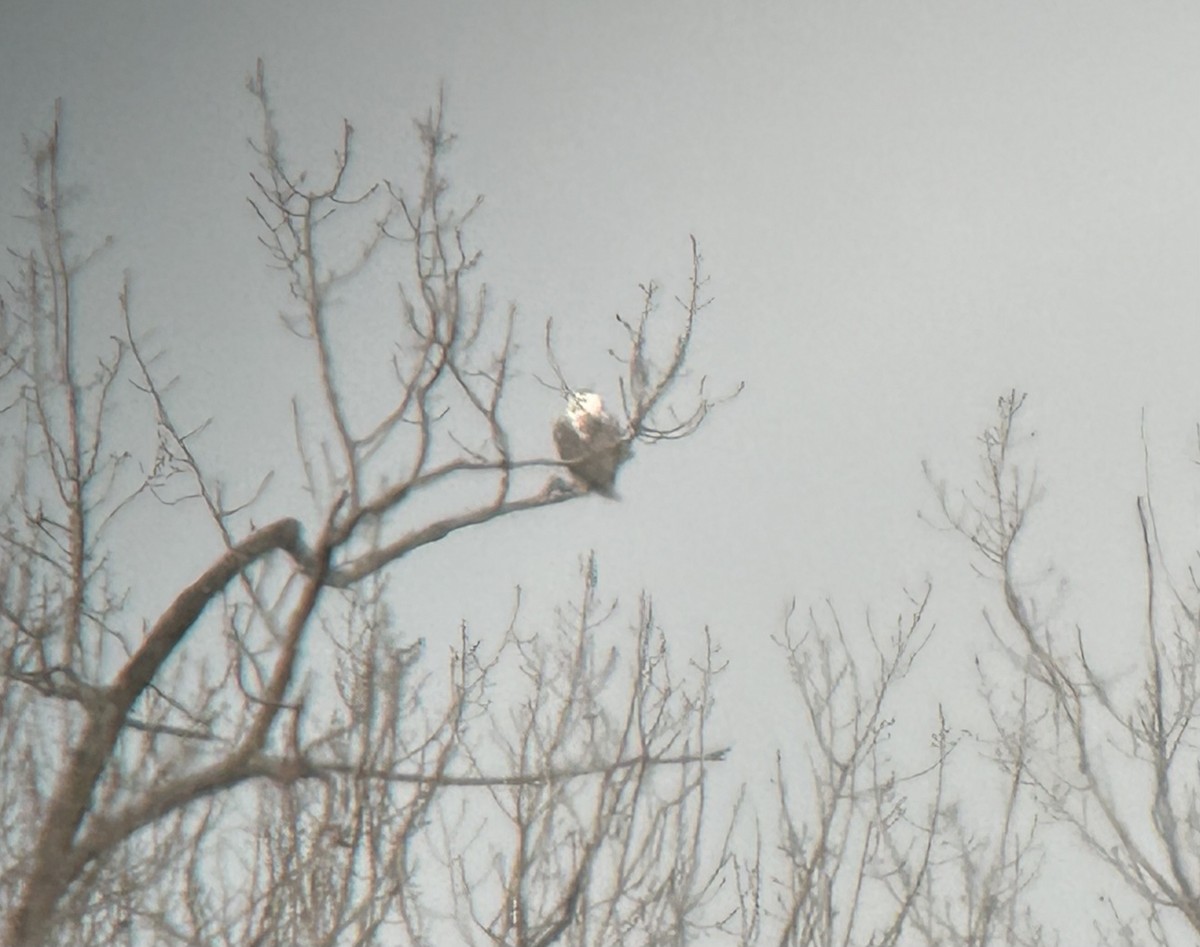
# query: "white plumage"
{"points": [[590, 441]]}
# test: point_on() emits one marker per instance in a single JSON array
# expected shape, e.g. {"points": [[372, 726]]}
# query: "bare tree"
{"points": [[871, 845], [209, 749], [852, 854], [1112, 754], [982, 870]]}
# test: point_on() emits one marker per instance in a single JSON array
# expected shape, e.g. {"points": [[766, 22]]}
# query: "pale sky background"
{"points": [[905, 209]]}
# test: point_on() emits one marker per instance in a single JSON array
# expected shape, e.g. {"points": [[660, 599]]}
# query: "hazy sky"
{"points": [[905, 208]]}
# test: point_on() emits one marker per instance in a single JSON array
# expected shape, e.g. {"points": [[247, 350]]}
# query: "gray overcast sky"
{"points": [[905, 208]]}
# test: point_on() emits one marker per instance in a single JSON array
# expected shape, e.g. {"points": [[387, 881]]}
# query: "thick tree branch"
{"points": [[56, 860]]}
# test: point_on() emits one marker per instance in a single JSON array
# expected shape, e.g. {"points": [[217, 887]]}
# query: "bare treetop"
{"points": [[133, 728]]}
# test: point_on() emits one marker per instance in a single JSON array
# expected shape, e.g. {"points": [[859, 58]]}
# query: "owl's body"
{"points": [[591, 442]]}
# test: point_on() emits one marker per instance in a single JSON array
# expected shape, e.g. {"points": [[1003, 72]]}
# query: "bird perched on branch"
{"points": [[591, 442]]}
